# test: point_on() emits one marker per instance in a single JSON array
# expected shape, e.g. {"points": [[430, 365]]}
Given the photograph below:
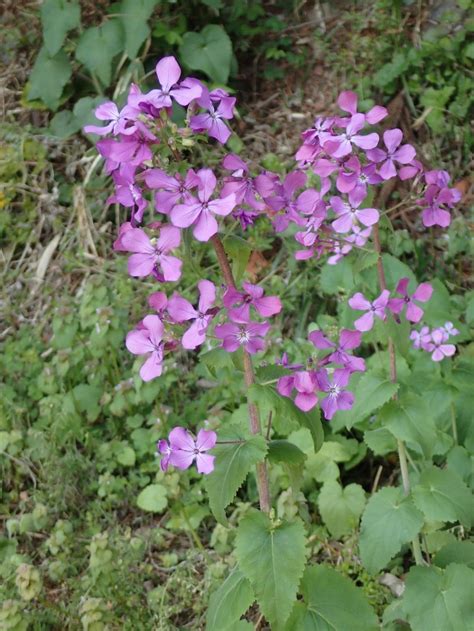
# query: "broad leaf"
{"points": [[209, 51], [58, 18], [284, 451], [134, 15], [443, 496], [409, 420], [239, 251], [232, 464], [456, 552], [340, 507], [153, 498], [229, 602], [331, 602], [370, 393], [98, 46], [439, 599], [389, 521], [272, 556], [48, 78]]}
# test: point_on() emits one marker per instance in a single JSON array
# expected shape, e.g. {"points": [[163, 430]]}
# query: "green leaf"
{"points": [[229, 602], [134, 15], [272, 556], [126, 456], [456, 552], [331, 602], [239, 251], [232, 464], [58, 18], [98, 46], [443, 496], [86, 398], [284, 451], [380, 441], [209, 51], [340, 507], [153, 498], [48, 78], [370, 394], [409, 419], [322, 465], [437, 599], [389, 521]]}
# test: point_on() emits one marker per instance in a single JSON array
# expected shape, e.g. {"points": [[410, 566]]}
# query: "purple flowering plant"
{"points": [[186, 192]]}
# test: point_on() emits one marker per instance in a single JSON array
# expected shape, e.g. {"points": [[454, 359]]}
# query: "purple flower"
{"points": [[437, 198], [305, 384], [282, 200], [348, 340], [421, 338], [347, 101], [133, 150], [449, 329], [172, 190], [403, 155], [168, 73], [200, 212], [127, 193], [241, 183], [153, 256], [147, 340], [353, 176], [376, 308], [121, 122], [158, 301], [337, 398], [349, 212], [180, 310], [437, 346], [266, 306], [220, 107], [422, 293], [341, 145], [246, 334], [183, 450]]}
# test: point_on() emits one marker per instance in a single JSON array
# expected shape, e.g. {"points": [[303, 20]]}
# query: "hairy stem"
{"points": [[249, 378], [402, 454]]}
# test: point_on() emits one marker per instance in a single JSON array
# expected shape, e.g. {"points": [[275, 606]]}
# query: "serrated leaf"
{"points": [[284, 451], [58, 17], [439, 599], [272, 556], [380, 441], [229, 602], [389, 521], [48, 78], [209, 51], [134, 15], [456, 552], [232, 464], [409, 419], [340, 507], [153, 498], [98, 46], [331, 602], [442, 496], [370, 394]]}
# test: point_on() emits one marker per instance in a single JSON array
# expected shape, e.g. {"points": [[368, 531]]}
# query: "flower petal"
{"points": [[168, 72]]}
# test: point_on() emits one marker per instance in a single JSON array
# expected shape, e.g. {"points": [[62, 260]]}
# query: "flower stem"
{"points": [[402, 454], [249, 378]]}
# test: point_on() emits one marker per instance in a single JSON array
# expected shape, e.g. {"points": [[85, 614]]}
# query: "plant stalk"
{"points": [[249, 379]]}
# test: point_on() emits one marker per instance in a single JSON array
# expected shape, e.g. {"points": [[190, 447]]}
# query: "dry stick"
{"points": [[402, 454], [254, 416]]}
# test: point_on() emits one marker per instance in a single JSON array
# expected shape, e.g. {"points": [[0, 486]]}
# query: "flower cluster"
{"points": [[435, 341], [181, 450]]}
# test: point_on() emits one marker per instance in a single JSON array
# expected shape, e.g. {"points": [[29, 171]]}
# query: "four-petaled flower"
{"points": [[246, 334], [403, 155], [341, 145], [348, 340], [181, 310], [414, 313], [147, 339], [305, 384], [153, 256], [337, 398], [349, 212], [437, 346], [374, 309], [266, 306], [182, 450], [168, 73]]}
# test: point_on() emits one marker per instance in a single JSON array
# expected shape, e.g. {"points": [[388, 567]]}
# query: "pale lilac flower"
{"points": [[348, 100], [220, 107], [241, 183], [395, 153], [374, 309], [164, 448], [341, 145], [349, 213], [181, 310], [348, 340], [421, 338], [414, 313], [437, 346], [200, 212], [171, 190], [153, 256], [148, 340], [183, 450], [305, 384], [359, 236], [337, 398], [168, 73], [449, 329], [266, 306], [247, 334], [121, 122], [339, 251]]}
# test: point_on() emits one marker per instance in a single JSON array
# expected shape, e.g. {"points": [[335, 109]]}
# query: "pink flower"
{"points": [[172, 190], [266, 306], [305, 384], [122, 122], [437, 198], [349, 212], [181, 310], [246, 334], [200, 213], [438, 347], [183, 450], [168, 73], [341, 145], [348, 340], [127, 193], [158, 301], [376, 308], [422, 293], [337, 398], [241, 183], [148, 341], [403, 155], [220, 107], [421, 338], [152, 257], [347, 101]]}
